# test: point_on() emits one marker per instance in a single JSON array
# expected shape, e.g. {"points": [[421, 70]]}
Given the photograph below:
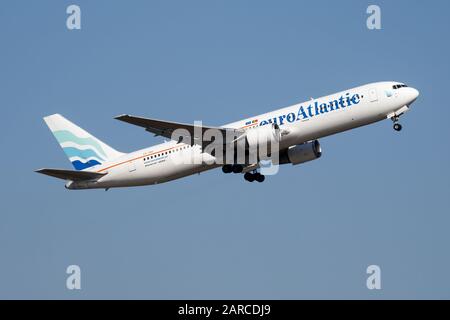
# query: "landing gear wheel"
{"points": [[397, 127], [228, 168], [237, 168], [259, 177], [249, 177]]}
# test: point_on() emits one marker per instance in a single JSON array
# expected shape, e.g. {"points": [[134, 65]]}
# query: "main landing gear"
{"points": [[248, 176], [397, 126], [235, 168], [255, 176]]}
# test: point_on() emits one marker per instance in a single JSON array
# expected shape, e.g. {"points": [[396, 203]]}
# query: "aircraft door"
{"points": [[373, 95], [131, 166]]}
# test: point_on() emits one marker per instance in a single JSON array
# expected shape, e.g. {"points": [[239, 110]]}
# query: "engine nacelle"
{"points": [[262, 136], [301, 153]]}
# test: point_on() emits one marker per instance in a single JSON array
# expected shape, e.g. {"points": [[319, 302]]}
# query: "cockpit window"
{"points": [[398, 86]]}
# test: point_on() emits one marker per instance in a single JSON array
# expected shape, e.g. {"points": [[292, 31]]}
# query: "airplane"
{"points": [[296, 130]]}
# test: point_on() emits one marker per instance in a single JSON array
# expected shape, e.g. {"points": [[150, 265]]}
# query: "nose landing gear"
{"points": [[397, 126]]}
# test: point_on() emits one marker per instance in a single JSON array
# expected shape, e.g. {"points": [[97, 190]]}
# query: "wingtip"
{"points": [[119, 117]]}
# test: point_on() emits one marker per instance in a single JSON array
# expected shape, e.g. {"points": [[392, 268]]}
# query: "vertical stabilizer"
{"points": [[83, 149]]}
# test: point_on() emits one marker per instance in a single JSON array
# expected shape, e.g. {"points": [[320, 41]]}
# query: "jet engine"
{"points": [[301, 153]]}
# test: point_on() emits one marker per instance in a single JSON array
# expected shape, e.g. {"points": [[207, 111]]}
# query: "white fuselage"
{"points": [[306, 121]]}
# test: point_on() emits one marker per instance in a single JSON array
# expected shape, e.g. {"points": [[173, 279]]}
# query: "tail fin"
{"points": [[82, 149]]}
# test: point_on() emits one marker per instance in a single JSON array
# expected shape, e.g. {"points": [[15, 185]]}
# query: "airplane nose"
{"points": [[413, 94]]}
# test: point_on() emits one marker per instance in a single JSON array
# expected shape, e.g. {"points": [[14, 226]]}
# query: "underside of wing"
{"points": [[71, 174], [177, 131]]}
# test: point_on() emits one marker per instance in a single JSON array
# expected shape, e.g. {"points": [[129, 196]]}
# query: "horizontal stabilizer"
{"points": [[71, 174]]}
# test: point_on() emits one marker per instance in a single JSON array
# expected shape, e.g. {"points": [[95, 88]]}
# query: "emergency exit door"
{"points": [[131, 166], [373, 95]]}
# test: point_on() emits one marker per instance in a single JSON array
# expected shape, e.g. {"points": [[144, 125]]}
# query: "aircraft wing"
{"points": [[166, 128], [71, 174]]}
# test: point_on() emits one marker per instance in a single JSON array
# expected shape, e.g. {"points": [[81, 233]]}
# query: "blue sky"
{"points": [[375, 197]]}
